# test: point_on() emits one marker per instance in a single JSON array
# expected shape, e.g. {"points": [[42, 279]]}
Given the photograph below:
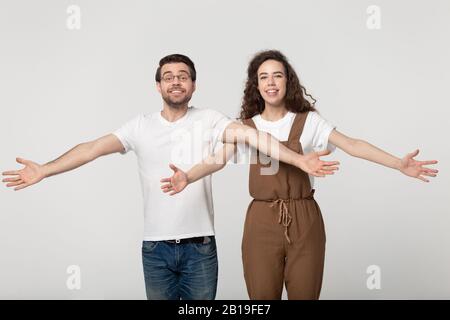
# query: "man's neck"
{"points": [[173, 114]]}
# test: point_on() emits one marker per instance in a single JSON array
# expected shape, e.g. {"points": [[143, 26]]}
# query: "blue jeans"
{"points": [[185, 271]]}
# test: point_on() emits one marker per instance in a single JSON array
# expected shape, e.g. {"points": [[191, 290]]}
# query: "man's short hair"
{"points": [[175, 58]]}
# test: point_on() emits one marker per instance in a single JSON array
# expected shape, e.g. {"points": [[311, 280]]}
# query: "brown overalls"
{"points": [[284, 234]]}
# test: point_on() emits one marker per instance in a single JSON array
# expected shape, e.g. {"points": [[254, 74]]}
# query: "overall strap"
{"points": [[297, 126]]}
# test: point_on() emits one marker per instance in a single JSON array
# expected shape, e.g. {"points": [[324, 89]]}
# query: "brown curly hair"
{"points": [[253, 103]]}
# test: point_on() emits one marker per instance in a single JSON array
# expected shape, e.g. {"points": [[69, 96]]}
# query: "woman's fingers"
{"points": [[167, 187], [424, 163], [423, 179], [430, 170], [422, 166], [428, 174], [413, 154]]}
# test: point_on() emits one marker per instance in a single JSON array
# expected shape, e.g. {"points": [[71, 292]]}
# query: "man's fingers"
{"points": [[318, 174], [330, 168], [166, 186], [165, 180], [11, 179], [22, 161], [172, 193], [423, 179], [8, 173], [13, 184], [24, 185], [330, 163], [173, 167]]}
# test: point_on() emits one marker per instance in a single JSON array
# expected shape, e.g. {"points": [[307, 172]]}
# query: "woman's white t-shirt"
{"points": [[313, 138]]}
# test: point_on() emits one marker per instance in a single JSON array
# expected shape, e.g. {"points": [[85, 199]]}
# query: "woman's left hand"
{"points": [[416, 169]]}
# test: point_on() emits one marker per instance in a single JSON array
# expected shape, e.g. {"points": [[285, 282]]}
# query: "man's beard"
{"points": [[176, 104]]}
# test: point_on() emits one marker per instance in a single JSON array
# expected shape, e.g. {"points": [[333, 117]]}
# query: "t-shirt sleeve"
{"points": [[127, 134], [219, 122], [243, 152], [321, 132]]}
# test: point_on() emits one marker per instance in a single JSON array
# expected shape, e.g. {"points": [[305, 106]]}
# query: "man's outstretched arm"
{"points": [[79, 155], [180, 179], [267, 144]]}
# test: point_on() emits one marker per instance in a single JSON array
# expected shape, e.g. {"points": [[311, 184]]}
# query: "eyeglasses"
{"points": [[181, 77]]}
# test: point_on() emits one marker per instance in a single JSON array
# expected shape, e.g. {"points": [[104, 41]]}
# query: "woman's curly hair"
{"points": [[295, 100]]}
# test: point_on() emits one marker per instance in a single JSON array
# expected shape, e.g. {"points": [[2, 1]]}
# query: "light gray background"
{"points": [[61, 87]]}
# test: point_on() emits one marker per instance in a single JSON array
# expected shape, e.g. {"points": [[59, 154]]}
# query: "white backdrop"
{"points": [[61, 86]]}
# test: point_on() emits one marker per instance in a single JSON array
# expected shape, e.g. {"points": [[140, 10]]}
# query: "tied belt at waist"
{"points": [[284, 217]]}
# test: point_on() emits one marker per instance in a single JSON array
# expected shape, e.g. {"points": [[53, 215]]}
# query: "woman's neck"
{"points": [[271, 113]]}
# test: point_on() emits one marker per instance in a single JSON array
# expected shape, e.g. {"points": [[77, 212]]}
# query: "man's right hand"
{"points": [[31, 174]]}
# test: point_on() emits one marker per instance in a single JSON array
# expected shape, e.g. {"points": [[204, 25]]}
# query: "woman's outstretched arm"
{"points": [[364, 150], [214, 162]]}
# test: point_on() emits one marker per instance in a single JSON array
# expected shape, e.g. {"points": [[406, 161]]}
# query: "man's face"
{"points": [[176, 86]]}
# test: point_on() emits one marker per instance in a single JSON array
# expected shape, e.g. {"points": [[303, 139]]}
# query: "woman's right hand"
{"points": [[176, 183]]}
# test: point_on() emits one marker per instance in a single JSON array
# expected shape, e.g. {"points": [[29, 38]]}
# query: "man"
{"points": [[179, 249]]}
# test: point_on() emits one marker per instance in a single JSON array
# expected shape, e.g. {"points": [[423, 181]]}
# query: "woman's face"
{"points": [[272, 82]]}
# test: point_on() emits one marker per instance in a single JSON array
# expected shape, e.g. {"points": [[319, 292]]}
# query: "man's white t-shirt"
{"points": [[184, 143], [313, 138]]}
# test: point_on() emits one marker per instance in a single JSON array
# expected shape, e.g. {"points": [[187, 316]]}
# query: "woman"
{"points": [[284, 234]]}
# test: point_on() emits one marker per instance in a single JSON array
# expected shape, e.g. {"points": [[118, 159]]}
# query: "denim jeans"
{"points": [[185, 271]]}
